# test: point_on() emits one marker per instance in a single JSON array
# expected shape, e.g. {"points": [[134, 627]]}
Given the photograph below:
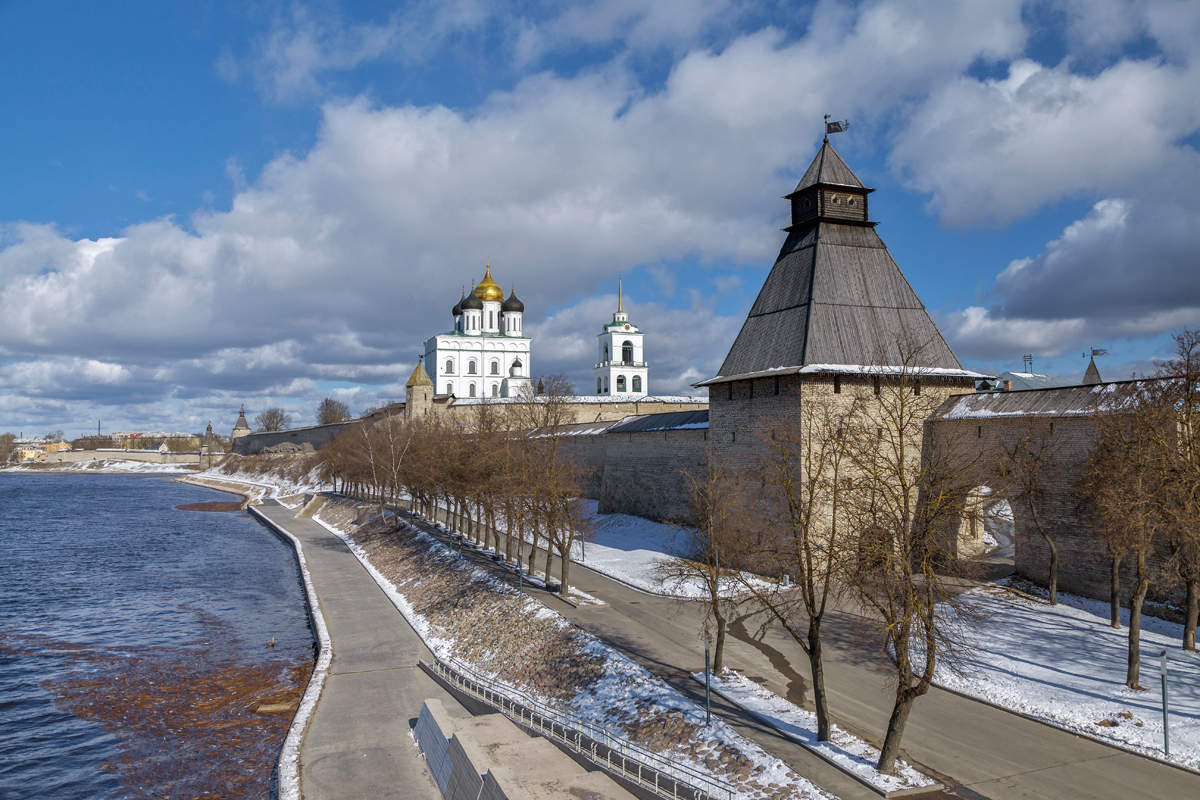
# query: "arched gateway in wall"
{"points": [[990, 439]]}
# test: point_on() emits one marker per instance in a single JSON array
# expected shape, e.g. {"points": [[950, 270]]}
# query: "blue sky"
{"points": [[217, 203]]}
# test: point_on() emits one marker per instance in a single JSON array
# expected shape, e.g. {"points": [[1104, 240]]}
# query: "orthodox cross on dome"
{"points": [[620, 295]]}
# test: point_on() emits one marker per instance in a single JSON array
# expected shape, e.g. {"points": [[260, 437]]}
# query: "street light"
{"points": [[707, 701], [1162, 669]]}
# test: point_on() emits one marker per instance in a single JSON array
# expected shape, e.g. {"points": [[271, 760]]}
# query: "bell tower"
{"points": [[621, 370]]}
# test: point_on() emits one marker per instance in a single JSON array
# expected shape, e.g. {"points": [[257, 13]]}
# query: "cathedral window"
{"points": [[637, 383], [606, 352], [627, 353], [471, 368], [620, 383], [495, 367], [472, 390], [495, 390], [450, 387], [598, 389], [449, 367]]}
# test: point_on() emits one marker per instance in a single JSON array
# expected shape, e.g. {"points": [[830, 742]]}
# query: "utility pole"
{"points": [[1162, 668]]}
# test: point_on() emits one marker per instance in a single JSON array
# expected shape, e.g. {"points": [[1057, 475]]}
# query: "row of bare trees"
{"points": [[1143, 479], [486, 476], [841, 502]]}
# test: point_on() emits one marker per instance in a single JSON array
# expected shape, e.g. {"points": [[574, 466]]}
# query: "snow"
{"points": [[289, 756], [853, 369], [844, 749], [105, 465], [1064, 665], [623, 685], [267, 484], [587, 398]]}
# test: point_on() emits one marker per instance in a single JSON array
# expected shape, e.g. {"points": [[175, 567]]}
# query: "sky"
{"points": [[212, 204]]}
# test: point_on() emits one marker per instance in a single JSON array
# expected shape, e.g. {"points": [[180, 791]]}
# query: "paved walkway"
{"points": [[976, 750], [358, 743]]}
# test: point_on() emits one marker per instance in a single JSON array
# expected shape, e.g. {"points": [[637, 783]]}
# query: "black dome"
{"points": [[472, 303], [512, 303], [457, 310]]}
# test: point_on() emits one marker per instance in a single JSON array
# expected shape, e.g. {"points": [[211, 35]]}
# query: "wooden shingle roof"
{"points": [[835, 296], [828, 167]]}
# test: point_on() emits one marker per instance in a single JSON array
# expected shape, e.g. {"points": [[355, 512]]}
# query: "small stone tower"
{"points": [[418, 393], [240, 428], [207, 447]]}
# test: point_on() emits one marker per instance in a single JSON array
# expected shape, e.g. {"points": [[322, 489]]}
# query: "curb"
{"points": [[288, 765]]}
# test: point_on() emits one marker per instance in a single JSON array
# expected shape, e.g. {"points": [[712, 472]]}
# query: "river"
{"points": [[145, 651]]}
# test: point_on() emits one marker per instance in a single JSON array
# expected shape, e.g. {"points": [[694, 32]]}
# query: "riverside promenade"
{"points": [[358, 743]]}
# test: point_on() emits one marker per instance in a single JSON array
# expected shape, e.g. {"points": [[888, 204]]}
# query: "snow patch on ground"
{"points": [[289, 757], [1064, 665], [108, 465], [844, 749], [624, 690]]}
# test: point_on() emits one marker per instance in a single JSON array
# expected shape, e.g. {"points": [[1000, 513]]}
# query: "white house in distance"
{"points": [[622, 370], [487, 353]]}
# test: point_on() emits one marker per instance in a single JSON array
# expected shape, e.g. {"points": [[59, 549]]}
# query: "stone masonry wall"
{"points": [[979, 445], [645, 473]]}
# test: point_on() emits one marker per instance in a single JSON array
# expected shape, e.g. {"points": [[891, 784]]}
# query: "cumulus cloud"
{"points": [[332, 266]]}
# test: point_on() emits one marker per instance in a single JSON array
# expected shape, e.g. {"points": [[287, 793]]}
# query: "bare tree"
{"points": [[1182, 385], [330, 411], [902, 508], [273, 419], [806, 485], [8, 443], [1029, 464], [1123, 479], [714, 498]]}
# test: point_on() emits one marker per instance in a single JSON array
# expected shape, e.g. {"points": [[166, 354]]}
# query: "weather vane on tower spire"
{"points": [[836, 126]]}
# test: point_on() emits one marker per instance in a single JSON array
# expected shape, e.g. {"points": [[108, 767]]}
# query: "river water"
{"points": [[134, 655]]}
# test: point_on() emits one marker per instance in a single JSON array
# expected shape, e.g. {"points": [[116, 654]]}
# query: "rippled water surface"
{"points": [[133, 641]]}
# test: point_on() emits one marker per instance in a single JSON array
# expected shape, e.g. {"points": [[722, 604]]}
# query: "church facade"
{"points": [[486, 354]]}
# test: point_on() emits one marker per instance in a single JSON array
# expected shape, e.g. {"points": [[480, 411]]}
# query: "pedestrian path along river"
{"points": [[357, 744]]}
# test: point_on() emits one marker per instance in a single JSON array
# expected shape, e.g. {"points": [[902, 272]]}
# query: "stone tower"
{"points": [[240, 428], [418, 393], [835, 311]]}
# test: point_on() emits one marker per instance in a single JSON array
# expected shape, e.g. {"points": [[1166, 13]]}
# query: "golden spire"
{"points": [[488, 289], [620, 296]]}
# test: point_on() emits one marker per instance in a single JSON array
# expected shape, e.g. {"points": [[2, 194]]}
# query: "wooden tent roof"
{"points": [[835, 296]]}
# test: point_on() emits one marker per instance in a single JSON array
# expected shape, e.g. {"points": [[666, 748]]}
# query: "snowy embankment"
{"points": [[109, 465], [464, 613], [1064, 665], [276, 484], [843, 749]]}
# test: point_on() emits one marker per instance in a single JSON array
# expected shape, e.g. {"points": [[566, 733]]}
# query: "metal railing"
{"points": [[645, 768]]}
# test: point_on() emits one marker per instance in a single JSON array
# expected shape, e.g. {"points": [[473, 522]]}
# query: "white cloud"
{"points": [[998, 149]]}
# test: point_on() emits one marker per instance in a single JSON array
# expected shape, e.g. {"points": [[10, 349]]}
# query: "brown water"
{"points": [[133, 641]]}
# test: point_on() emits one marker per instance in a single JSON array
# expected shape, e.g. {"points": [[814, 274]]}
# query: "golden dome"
{"points": [[488, 289]]}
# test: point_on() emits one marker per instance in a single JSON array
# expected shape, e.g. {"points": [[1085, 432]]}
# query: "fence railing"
{"points": [[645, 768]]}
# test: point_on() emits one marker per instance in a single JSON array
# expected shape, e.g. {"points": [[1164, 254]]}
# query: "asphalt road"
{"points": [[978, 751]]}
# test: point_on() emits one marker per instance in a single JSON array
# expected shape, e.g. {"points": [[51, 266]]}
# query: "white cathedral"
{"points": [[488, 355]]}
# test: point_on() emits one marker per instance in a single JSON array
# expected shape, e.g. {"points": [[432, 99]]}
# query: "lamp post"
{"points": [[1162, 669], [707, 701]]}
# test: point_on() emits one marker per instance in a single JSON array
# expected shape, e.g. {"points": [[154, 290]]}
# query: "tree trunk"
{"points": [[1114, 593], [1193, 611], [1135, 623], [817, 667], [564, 571], [895, 731], [718, 662]]}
